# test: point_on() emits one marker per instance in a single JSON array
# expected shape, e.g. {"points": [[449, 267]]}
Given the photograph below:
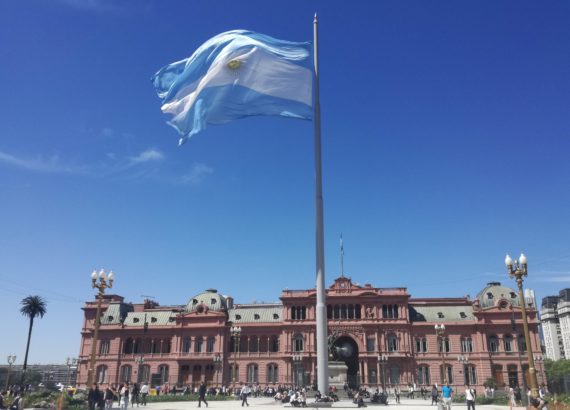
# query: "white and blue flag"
{"points": [[234, 75]]}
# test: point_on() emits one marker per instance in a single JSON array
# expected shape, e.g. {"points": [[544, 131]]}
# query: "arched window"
{"points": [[210, 344], [298, 343], [163, 371], [493, 344], [252, 373], [104, 347], [101, 374], [144, 374], [444, 345], [272, 373], [234, 373], [423, 374], [448, 376], [198, 344], [274, 344], [394, 375], [128, 348], [508, 342], [392, 343], [421, 345], [470, 374], [126, 372], [466, 345], [186, 345]]}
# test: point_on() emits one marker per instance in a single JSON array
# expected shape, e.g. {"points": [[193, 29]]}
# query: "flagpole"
{"points": [[321, 317]]}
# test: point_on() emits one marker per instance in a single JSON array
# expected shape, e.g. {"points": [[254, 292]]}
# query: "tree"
{"points": [[555, 371], [32, 307]]}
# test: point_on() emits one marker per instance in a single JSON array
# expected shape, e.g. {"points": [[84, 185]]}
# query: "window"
{"points": [[210, 344], [129, 346], [508, 341], [254, 344], [372, 376], [104, 347], [166, 346], [522, 343], [126, 372], [256, 317], [298, 343], [370, 344], [298, 312], [272, 373], [493, 344], [144, 373], [198, 345], [101, 374], [392, 343], [153, 346], [444, 345], [462, 315], [390, 311], [275, 316], [448, 376], [252, 373], [163, 371], [394, 375], [186, 344], [440, 315], [423, 374], [489, 295], [234, 373], [467, 345], [421, 345], [274, 344], [470, 374]]}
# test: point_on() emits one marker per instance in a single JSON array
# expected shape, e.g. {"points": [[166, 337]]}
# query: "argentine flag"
{"points": [[233, 75]]}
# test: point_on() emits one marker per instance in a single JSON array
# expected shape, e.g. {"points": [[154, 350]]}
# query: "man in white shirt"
{"points": [[470, 397], [144, 393]]}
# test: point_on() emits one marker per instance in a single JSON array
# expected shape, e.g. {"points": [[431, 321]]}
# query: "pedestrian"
{"points": [[144, 393], [447, 394], [93, 396], [202, 395], [470, 397], [135, 395], [434, 395], [17, 402], [244, 392], [125, 396], [109, 395]]}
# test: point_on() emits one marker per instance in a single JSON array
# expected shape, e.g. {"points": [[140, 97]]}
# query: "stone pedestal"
{"points": [[337, 375]]}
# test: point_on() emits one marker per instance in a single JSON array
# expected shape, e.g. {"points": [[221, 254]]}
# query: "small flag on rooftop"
{"points": [[234, 75]]}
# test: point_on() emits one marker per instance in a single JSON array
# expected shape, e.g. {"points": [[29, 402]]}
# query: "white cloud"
{"points": [[197, 174], [39, 163], [148, 156]]}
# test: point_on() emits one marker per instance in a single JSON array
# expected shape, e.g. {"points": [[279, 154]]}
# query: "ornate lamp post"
{"points": [[70, 362], [11, 360], [440, 332], [217, 366], [99, 281], [539, 359], [236, 334], [297, 361], [518, 270], [139, 360], [383, 359]]}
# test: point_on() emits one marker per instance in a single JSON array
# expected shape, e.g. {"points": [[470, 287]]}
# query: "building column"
{"points": [[365, 377]]}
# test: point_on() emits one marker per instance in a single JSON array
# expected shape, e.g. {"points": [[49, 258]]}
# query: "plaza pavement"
{"points": [[270, 404]]}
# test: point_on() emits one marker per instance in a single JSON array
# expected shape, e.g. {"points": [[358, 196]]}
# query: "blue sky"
{"points": [[445, 145]]}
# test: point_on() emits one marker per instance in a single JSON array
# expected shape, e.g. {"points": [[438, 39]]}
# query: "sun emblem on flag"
{"points": [[234, 64]]}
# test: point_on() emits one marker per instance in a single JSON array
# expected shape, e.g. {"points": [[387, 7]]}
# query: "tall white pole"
{"points": [[322, 340]]}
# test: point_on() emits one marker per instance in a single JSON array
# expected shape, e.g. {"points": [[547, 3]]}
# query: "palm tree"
{"points": [[32, 307]]}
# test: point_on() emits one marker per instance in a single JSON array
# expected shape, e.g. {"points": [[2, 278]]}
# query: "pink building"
{"points": [[388, 338]]}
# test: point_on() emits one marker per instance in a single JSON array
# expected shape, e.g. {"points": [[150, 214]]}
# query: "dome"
{"points": [[494, 292], [209, 299]]}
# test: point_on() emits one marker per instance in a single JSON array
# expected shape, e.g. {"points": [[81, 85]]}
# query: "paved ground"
{"points": [[269, 404]]}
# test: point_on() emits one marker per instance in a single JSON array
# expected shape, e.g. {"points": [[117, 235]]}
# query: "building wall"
{"points": [[364, 322]]}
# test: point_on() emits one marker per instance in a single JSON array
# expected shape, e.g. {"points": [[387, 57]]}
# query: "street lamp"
{"points": [[383, 359], [139, 360], [99, 281], [538, 359], [70, 362], [440, 332], [236, 334], [217, 366], [297, 360], [518, 270], [11, 360]]}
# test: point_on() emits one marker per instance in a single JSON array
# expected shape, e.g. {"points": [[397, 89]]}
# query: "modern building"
{"points": [[555, 318], [387, 338], [49, 373]]}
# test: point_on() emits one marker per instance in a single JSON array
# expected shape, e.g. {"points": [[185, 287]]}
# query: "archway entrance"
{"points": [[345, 349]]}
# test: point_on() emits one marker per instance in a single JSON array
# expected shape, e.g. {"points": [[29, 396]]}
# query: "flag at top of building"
{"points": [[234, 75]]}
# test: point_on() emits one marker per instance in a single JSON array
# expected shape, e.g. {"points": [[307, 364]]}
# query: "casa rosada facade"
{"points": [[389, 336]]}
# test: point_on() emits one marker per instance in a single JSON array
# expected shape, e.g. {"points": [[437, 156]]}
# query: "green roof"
{"points": [[153, 318], [440, 314], [115, 313], [256, 314]]}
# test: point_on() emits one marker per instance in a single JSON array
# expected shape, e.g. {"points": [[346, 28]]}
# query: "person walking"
{"points": [[434, 395], [109, 398], [397, 394], [470, 397], [94, 396], [135, 395], [447, 394], [244, 392], [202, 395], [144, 393], [125, 396]]}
